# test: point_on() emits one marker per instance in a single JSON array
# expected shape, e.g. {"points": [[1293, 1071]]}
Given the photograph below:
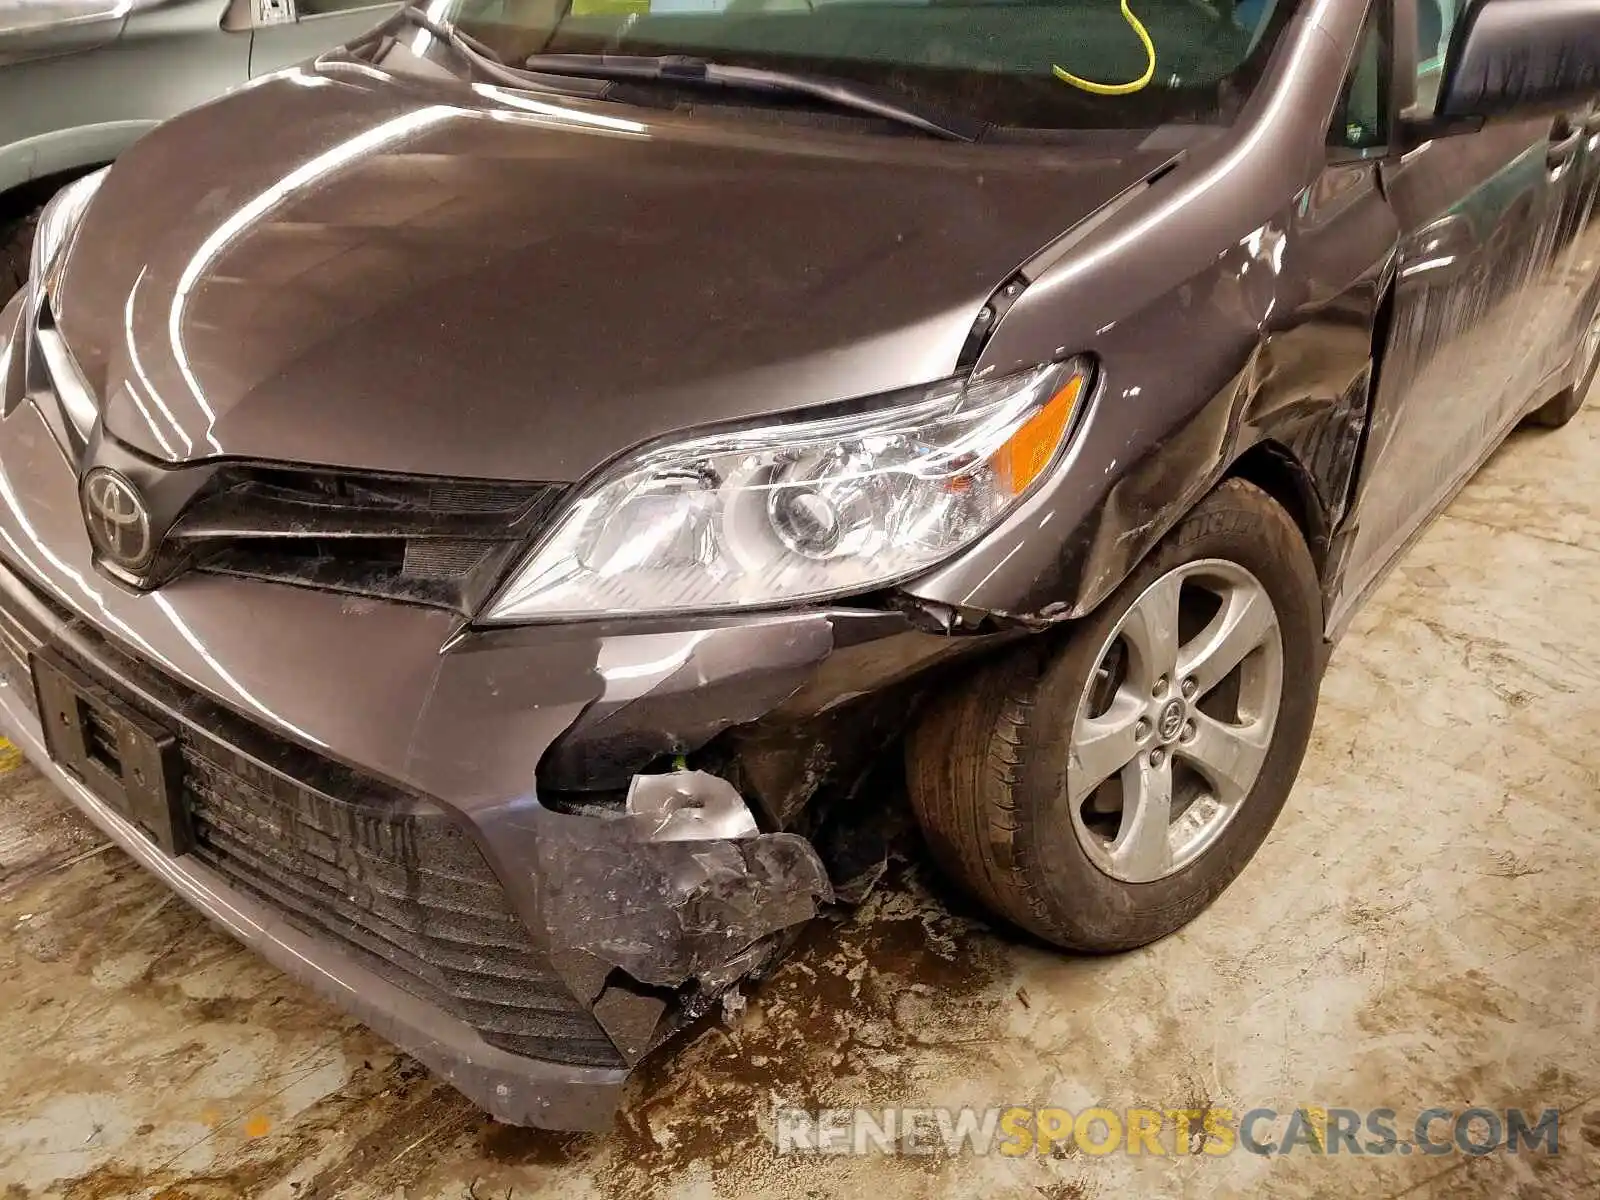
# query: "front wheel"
{"points": [[1101, 792]]}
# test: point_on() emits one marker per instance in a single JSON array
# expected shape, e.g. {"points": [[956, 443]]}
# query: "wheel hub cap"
{"points": [[1170, 723], [1175, 724]]}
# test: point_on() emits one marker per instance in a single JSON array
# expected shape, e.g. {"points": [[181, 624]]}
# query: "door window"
{"points": [[1436, 19], [1361, 122]]}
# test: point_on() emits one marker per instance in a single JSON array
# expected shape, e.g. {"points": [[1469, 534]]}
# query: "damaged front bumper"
{"points": [[484, 844], [510, 1087], [617, 923]]}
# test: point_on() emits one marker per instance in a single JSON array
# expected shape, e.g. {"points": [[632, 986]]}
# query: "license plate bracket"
{"points": [[122, 756]]}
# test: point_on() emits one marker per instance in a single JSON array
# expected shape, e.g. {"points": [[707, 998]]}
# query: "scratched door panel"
{"points": [[1472, 330]]}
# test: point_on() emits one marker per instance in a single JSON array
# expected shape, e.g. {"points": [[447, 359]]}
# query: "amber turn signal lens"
{"points": [[1033, 447]]}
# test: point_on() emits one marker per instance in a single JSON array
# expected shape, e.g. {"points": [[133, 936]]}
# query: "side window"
{"points": [[1361, 122], [1435, 21]]}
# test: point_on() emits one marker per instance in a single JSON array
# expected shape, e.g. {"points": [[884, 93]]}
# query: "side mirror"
{"points": [[1521, 57]]}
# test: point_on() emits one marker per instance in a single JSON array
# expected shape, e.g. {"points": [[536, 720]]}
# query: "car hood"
{"points": [[336, 268]]}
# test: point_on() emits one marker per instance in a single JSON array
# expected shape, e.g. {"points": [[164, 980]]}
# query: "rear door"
{"points": [[1480, 304]]}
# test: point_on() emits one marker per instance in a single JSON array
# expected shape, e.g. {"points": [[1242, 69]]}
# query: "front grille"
{"points": [[428, 541], [386, 874], [417, 539]]}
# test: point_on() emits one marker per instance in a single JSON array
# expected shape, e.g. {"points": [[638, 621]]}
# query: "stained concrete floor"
{"points": [[1422, 928]]}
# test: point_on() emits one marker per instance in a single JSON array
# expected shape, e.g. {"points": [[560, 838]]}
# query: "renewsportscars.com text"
{"points": [[1015, 1131]]}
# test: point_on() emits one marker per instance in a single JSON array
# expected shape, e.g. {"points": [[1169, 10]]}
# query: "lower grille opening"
{"points": [[404, 890], [387, 875]]}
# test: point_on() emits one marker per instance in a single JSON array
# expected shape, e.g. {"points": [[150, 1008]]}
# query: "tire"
{"points": [[1564, 405], [16, 250], [988, 763]]}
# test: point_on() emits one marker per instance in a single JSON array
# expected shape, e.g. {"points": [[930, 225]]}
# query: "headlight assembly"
{"points": [[797, 511], [59, 220]]}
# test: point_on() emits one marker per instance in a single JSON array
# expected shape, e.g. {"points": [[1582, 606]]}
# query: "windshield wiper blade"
{"points": [[486, 62], [683, 69]]}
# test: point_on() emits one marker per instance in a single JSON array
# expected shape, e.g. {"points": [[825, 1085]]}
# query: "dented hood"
{"points": [[336, 267]]}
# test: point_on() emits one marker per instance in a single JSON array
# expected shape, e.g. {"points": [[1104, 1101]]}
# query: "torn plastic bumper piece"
{"points": [[681, 890], [652, 907], [688, 806]]}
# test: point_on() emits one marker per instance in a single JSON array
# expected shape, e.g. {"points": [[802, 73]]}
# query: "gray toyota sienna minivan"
{"points": [[478, 511]]}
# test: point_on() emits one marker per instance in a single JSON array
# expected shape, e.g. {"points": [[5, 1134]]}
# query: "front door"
{"points": [[1479, 312]]}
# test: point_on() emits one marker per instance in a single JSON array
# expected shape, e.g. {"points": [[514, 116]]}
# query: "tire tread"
{"points": [[970, 757]]}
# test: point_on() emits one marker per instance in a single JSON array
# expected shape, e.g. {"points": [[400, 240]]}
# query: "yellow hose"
{"points": [[1118, 89]]}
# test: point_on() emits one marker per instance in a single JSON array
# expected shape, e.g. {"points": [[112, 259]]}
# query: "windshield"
{"points": [[1081, 64]]}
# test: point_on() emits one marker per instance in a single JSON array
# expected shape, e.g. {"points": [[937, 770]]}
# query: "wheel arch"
{"points": [[41, 165], [31, 194]]}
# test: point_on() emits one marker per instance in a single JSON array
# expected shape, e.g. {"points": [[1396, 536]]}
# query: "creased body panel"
{"points": [[1231, 307]]}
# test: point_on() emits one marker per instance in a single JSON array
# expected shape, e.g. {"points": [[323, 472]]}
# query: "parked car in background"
{"points": [[81, 79], [476, 508]]}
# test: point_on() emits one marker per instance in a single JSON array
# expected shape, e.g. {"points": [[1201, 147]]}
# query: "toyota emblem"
{"points": [[118, 521]]}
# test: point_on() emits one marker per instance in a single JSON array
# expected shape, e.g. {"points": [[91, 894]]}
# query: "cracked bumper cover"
{"points": [[510, 1087], [719, 895], [640, 911], [640, 891], [633, 909]]}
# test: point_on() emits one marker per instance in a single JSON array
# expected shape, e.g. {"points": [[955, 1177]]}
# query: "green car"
{"points": [[80, 80]]}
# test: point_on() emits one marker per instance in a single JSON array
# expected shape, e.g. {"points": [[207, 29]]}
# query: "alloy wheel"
{"points": [[1175, 724]]}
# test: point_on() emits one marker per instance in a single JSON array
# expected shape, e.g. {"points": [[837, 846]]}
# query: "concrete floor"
{"points": [[1420, 929]]}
